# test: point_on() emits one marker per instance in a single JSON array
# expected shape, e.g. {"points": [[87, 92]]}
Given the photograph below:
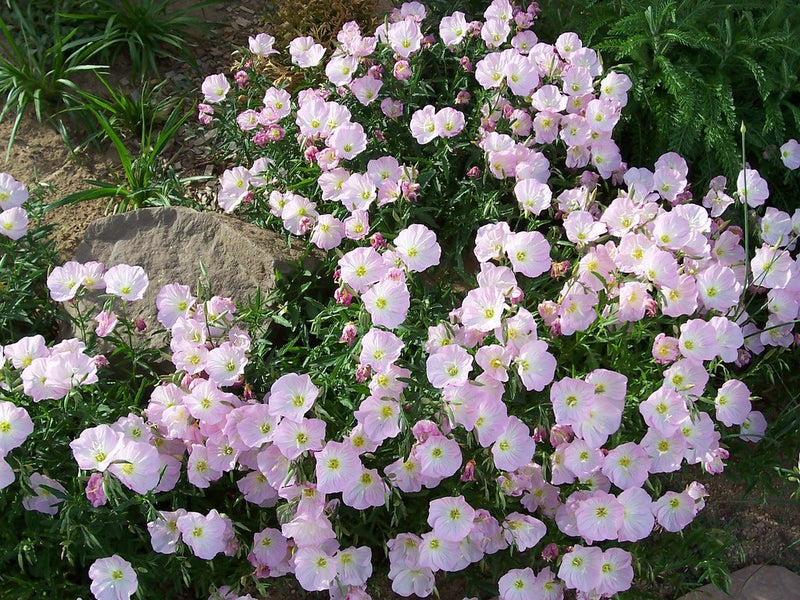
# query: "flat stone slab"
{"points": [[757, 582], [171, 243]]}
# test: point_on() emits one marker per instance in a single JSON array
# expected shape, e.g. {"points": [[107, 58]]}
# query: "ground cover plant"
{"points": [[699, 69], [517, 354]]}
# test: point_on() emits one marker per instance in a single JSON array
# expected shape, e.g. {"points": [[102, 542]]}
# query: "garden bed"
{"points": [[749, 517]]}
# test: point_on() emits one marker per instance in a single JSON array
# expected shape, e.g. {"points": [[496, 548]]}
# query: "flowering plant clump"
{"points": [[524, 338]]}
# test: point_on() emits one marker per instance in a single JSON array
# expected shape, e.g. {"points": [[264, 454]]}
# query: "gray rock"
{"points": [[757, 582], [172, 243]]}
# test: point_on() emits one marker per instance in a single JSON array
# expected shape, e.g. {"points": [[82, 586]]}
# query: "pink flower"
{"points": [[528, 252], [449, 122], [752, 188], [523, 531], [207, 535], [439, 457], [518, 584], [404, 37], [599, 517], [127, 282], [535, 365], [449, 366], [379, 349], [616, 572], [293, 438], [173, 300], [269, 546], [366, 490], [14, 222], [64, 281], [581, 568], [514, 446], [638, 519], [164, 533], [423, 124], [753, 427], [453, 28], [305, 52], [581, 227], [438, 554], [348, 140], [665, 349], [451, 518], [315, 569], [97, 447], [483, 309], [790, 154], [106, 322], [674, 511], [718, 287], [215, 88], [137, 466], [12, 192], [418, 247], [327, 233], [48, 494], [362, 267], [380, 417], [733, 403], [354, 567], [292, 396], [627, 466], [338, 466], [366, 89], [391, 108], [533, 196], [15, 426], [113, 578], [387, 302], [261, 45]]}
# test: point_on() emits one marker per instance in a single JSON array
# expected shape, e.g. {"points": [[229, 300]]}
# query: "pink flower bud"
{"points": [[743, 358], [343, 297], [401, 70], [589, 179], [548, 310], [248, 395], [466, 64], [94, 490], [474, 172], [377, 241], [349, 332], [310, 154], [469, 471], [241, 78], [140, 324], [463, 97], [550, 552], [305, 225], [363, 373], [425, 429], [261, 138], [560, 434]]}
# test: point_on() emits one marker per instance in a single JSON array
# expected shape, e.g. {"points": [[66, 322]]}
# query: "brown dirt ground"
{"points": [[766, 524]]}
